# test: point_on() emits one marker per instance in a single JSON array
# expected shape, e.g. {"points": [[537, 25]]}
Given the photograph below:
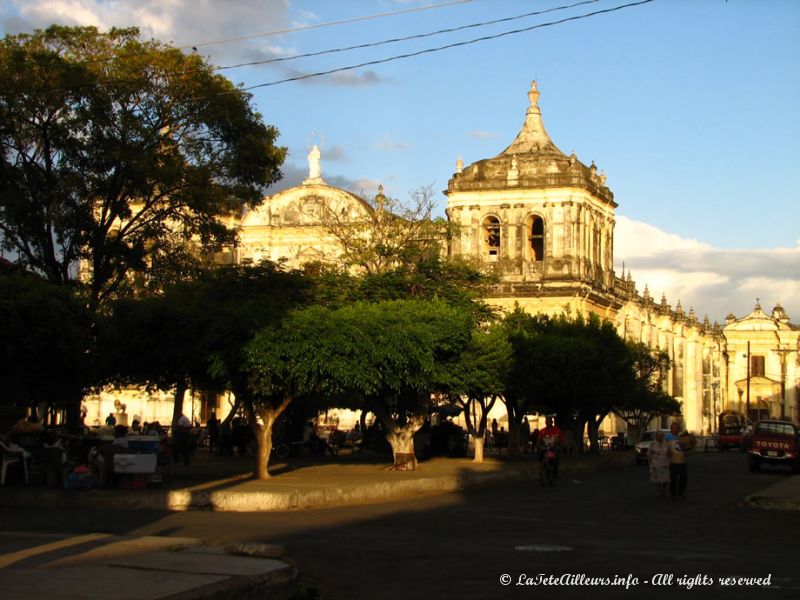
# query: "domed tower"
{"points": [[544, 220]]}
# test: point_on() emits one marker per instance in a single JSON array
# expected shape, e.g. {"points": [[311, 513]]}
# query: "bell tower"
{"points": [[541, 220]]}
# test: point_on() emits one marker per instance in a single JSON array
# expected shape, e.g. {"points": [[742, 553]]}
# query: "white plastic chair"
{"points": [[12, 456]]}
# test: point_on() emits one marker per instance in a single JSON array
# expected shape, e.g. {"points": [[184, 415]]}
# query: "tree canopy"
{"points": [[393, 234], [117, 152], [45, 346], [394, 353], [173, 340]]}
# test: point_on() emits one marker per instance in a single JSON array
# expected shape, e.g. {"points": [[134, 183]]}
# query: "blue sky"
{"points": [[689, 106]]}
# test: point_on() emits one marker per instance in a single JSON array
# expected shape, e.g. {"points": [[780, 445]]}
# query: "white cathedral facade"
{"points": [[544, 222]]}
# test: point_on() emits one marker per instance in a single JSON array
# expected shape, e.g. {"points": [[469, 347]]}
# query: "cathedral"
{"points": [[543, 222]]}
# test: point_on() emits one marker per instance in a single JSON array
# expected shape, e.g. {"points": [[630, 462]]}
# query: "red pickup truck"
{"points": [[774, 443]]}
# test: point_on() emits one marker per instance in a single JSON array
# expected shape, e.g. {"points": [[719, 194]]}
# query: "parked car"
{"points": [[774, 442], [643, 445]]}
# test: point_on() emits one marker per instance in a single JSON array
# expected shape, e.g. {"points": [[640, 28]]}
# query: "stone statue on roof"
{"points": [[314, 169]]}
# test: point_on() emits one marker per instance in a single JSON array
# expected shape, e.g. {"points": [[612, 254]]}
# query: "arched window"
{"points": [[491, 237], [536, 238]]}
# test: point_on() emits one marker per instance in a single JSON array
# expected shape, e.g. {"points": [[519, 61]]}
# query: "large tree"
{"points": [[479, 377], [45, 346], [647, 399], [574, 366], [392, 234], [172, 341], [394, 355], [117, 152]]}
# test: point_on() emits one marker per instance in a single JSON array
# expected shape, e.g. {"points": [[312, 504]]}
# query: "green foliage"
{"points": [[483, 368], [454, 282], [647, 399], [44, 343], [370, 349], [117, 152], [390, 234], [565, 364], [197, 325]]}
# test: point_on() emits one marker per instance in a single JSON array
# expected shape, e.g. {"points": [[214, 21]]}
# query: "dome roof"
{"points": [[531, 161]]}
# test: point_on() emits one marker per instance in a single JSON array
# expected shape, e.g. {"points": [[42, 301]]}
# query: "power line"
{"points": [[328, 24], [446, 47], [400, 56], [405, 38]]}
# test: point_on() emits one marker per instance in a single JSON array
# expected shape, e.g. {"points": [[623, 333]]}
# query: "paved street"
{"points": [[606, 524]]}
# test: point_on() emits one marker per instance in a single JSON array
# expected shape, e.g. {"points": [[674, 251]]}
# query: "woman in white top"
{"points": [[658, 459]]}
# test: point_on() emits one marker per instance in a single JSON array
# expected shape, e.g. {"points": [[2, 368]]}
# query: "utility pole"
{"points": [[747, 413], [783, 352]]}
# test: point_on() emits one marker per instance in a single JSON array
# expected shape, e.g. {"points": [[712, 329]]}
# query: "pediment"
{"points": [[306, 206]]}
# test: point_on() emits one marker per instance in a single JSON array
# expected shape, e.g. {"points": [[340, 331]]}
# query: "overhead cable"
{"points": [[405, 38], [320, 25], [446, 47]]}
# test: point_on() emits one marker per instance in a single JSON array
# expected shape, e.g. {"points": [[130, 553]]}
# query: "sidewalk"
{"points": [[154, 568], [99, 566], [225, 484], [189, 569], [781, 496]]}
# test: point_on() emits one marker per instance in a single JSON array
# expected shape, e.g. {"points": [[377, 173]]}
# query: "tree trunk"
{"points": [[593, 427], [401, 439], [232, 413], [478, 441], [513, 436], [402, 442], [269, 415], [476, 416], [264, 438]]}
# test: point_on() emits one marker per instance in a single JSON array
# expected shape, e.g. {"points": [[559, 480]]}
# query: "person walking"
{"points": [[524, 435], [212, 428], [658, 460], [678, 473], [182, 440]]}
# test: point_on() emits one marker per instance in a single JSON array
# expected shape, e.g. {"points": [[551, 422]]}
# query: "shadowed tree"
{"points": [[393, 354], [576, 367], [45, 346], [478, 378], [647, 399], [171, 341], [118, 152]]}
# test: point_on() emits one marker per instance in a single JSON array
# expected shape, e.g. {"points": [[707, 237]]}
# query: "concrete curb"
{"points": [[771, 502], [358, 494], [232, 500]]}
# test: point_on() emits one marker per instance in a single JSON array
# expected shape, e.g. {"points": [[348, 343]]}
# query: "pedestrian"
{"points": [[524, 435], [494, 433], [658, 460], [111, 420], [182, 440], [212, 427], [678, 473], [552, 438]]}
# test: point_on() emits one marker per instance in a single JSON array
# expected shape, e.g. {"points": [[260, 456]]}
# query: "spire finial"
{"points": [[534, 94]]}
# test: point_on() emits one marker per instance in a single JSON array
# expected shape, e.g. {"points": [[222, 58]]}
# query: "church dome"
{"points": [[531, 161]]}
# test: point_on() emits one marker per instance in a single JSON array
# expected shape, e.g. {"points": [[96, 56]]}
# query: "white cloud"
{"points": [[483, 135], [182, 22], [713, 281], [387, 143]]}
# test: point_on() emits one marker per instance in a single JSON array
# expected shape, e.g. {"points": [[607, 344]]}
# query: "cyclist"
{"points": [[553, 438]]}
